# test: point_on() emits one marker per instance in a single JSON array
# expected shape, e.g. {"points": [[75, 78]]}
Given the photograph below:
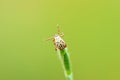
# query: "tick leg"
{"points": [[55, 47], [58, 28], [62, 34], [49, 38]]}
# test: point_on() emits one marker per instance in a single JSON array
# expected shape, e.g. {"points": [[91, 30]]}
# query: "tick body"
{"points": [[59, 42]]}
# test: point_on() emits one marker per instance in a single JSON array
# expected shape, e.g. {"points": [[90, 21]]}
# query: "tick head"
{"points": [[57, 37]]}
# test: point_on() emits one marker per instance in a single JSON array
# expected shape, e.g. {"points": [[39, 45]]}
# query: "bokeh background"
{"points": [[92, 33]]}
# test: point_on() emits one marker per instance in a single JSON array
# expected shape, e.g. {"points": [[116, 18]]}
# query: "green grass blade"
{"points": [[64, 57]]}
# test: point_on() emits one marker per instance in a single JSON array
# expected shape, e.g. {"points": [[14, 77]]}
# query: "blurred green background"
{"points": [[92, 33]]}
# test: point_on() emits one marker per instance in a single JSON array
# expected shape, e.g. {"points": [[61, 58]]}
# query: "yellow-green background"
{"points": [[92, 33]]}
